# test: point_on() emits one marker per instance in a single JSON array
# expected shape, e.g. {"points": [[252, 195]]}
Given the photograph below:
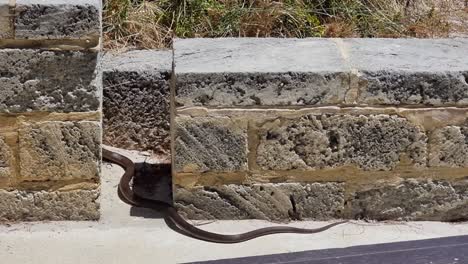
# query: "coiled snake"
{"points": [[175, 221]]}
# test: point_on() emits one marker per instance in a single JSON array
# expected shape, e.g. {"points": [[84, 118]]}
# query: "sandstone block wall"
{"points": [[283, 129], [50, 110], [136, 100]]}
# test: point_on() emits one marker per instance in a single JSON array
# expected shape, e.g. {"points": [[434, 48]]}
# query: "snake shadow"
{"points": [[152, 181]]}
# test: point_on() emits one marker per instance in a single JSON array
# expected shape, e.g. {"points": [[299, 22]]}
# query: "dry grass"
{"points": [[132, 24]]}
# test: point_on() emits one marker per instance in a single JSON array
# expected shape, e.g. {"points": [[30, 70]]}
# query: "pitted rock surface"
{"points": [[413, 199], [60, 150], [57, 19], [372, 142], [275, 202], [49, 81], [202, 144], [43, 205]]}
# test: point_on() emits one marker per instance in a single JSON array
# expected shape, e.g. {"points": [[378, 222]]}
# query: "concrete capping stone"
{"points": [[136, 112], [148, 61], [58, 19], [231, 72]]}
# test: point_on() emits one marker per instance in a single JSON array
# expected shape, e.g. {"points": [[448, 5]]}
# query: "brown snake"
{"points": [[175, 221]]}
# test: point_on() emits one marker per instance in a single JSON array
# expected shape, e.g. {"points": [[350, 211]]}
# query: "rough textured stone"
{"points": [[245, 72], [5, 157], [372, 142], [36, 80], [42, 205], [277, 202], [413, 200], [449, 147], [215, 144], [410, 71], [59, 150], [137, 100], [57, 19], [6, 25], [226, 72]]}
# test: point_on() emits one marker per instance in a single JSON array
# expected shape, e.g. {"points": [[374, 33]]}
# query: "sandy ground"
{"points": [[130, 235]]}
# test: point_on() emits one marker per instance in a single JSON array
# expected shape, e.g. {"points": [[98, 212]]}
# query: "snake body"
{"points": [[174, 220]]}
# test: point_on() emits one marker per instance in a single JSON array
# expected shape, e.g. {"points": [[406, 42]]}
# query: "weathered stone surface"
{"points": [[42, 205], [205, 143], [371, 142], [227, 72], [449, 147], [243, 89], [5, 159], [137, 100], [59, 150], [277, 202], [246, 72], [55, 81], [58, 19], [6, 25], [413, 200], [410, 71]]}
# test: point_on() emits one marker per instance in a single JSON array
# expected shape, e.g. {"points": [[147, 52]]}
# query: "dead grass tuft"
{"points": [[149, 24]]}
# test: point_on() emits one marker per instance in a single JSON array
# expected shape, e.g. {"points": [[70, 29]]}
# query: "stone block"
{"points": [[230, 72], [274, 202], [6, 20], [49, 81], [42, 205], [311, 142], [210, 144], [137, 100], [6, 156], [59, 150], [58, 19], [410, 71], [449, 147], [412, 199], [265, 72]]}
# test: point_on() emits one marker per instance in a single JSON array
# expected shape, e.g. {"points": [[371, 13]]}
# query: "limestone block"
{"points": [[227, 72], [52, 81], [59, 150], [6, 19], [58, 19], [413, 199], [204, 143], [136, 100], [410, 71], [6, 155], [370, 142], [42, 205], [288, 72], [276, 202], [449, 147]]}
